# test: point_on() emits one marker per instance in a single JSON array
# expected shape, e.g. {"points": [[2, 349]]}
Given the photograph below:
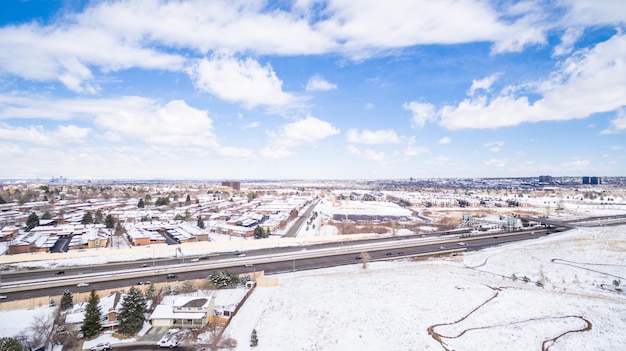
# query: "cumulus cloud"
{"points": [[444, 140], [494, 162], [251, 125], [318, 83], [618, 124], [568, 39], [483, 84], [422, 113], [589, 81], [367, 154], [38, 135], [172, 125], [241, 81], [494, 146], [415, 150], [116, 35], [305, 131], [65, 52], [386, 136]]}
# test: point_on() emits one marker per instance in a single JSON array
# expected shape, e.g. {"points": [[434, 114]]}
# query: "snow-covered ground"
{"points": [[466, 303]]}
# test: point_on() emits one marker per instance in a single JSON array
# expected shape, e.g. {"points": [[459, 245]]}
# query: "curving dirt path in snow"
{"points": [[545, 345]]}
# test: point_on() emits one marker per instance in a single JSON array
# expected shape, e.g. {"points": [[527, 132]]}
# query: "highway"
{"points": [[29, 284]]}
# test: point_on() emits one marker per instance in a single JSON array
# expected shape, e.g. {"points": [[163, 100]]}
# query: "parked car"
{"points": [[60, 272], [103, 346], [82, 285], [167, 342]]}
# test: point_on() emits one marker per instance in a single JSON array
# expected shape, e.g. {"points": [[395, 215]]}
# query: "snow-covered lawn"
{"points": [[468, 304]]}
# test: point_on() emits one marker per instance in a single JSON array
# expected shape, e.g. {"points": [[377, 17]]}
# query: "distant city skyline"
{"points": [[235, 90]]}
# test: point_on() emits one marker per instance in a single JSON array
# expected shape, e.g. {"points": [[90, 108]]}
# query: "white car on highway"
{"points": [[82, 285]]}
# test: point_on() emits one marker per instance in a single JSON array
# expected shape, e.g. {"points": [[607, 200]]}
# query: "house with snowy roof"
{"points": [[184, 312], [109, 307]]}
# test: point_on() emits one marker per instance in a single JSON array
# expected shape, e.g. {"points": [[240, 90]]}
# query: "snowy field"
{"points": [[470, 303]]}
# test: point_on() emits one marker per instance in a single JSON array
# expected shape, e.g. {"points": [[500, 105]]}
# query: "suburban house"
{"points": [[184, 312], [109, 307]]}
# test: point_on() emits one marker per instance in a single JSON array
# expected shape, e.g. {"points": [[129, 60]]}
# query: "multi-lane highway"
{"points": [[23, 285]]}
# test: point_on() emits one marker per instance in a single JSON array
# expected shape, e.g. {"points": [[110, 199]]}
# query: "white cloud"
{"points": [[251, 125], [38, 135], [568, 40], [483, 84], [422, 113], [305, 131], [438, 160], [275, 152], [369, 106], [494, 146], [590, 81], [241, 81], [367, 154], [175, 124], [573, 166], [64, 52], [618, 124], [444, 140], [124, 34], [591, 13], [415, 150], [387, 136], [498, 163], [318, 83]]}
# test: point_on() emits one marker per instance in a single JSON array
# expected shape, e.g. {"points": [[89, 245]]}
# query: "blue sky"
{"points": [[309, 89]]}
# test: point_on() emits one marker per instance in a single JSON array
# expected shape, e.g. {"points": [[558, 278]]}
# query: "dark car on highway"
{"points": [[60, 272]]}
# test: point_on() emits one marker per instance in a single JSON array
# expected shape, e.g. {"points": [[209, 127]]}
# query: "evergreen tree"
{"points": [[150, 291], [10, 344], [110, 221], [259, 233], [91, 325], [141, 204], [2, 200], [87, 218], [32, 221], [188, 200], [223, 278], [200, 222], [67, 300], [132, 313], [46, 215]]}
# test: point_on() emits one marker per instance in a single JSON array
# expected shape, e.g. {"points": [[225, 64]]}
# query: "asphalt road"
{"points": [[337, 254]]}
